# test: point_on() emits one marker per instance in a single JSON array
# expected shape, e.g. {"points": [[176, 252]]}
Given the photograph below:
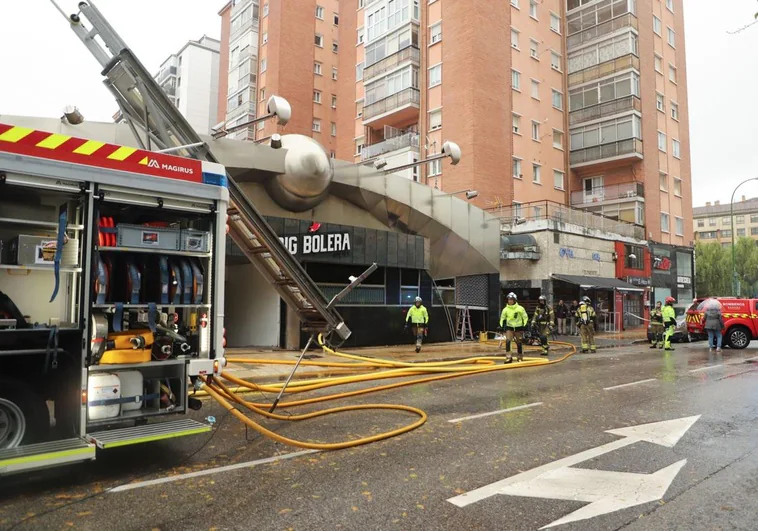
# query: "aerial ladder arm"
{"points": [[158, 125]]}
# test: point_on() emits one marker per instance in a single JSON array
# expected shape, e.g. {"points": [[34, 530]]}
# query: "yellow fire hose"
{"points": [[384, 369]]}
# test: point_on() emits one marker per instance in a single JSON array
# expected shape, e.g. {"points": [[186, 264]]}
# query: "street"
{"points": [[481, 430]]}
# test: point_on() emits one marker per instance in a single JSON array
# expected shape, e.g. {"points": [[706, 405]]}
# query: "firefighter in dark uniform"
{"points": [[543, 321]]}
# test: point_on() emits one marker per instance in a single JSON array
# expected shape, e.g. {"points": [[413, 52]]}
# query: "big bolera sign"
{"points": [[316, 243]]}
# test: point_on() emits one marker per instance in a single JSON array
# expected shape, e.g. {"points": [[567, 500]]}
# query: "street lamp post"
{"points": [[735, 286]]}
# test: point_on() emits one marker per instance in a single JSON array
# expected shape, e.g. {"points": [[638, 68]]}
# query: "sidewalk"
{"points": [[433, 352]]}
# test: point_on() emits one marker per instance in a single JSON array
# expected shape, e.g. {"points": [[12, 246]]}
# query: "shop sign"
{"points": [[639, 281], [662, 263], [565, 252], [596, 257], [683, 280], [316, 243]]}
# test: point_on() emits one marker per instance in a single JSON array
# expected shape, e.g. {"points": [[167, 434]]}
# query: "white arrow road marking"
{"points": [[480, 415], [607, 491]]}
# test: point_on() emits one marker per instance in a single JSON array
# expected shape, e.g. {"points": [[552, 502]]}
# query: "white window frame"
{"points": [[317, 96], [264, 38], [660, 102], [317, 68], [677, 184], [676, 148], [536, 131], [553, 55], [515, 3], [662, 141], [673, 69], [563, 179], [658, 64], [361, 35], [359, 71], [319, 12], [677, 222], [657, 25], [663, 181], [554, 17], [335, 47], [434, 168], [334, 73], [432, 114], [516, 123], [560, 99], [265, 9], [334, 101], [534, 83], [515, 76], [671, 37], [534, 49], [667, 217], [533, 9], [316, 125], [432, 81], [674, 110], [319, 40], [264, 65], [670, 5], [333, 128], [536, 173], [560, 135], [435, 33], [517, 164], [515, 38]]}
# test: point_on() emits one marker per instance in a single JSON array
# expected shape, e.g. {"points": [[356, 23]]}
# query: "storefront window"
{"points": [[684, 264], [633, 256], [661, 294]]}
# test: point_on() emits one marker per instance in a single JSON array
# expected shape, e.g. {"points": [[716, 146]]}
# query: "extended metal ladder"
{"points": [[146, 107]]}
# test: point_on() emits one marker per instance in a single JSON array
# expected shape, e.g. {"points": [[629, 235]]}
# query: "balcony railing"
{"points": [[632, 146], [629, 103], [411, 53], [517, 218], [409, 96], [604, 69], [391, 144], [595, 32], [610, 192]]}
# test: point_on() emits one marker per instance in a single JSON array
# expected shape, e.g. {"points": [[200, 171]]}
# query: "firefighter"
{"points": [[419, 318], [585, 319], [656, 326], [669, 321], [544, 322], [514, 320]]}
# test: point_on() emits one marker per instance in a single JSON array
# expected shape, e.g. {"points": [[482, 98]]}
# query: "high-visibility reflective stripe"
{"points": [[122, 153], [89, 147], [53, 141], [14, 134]]}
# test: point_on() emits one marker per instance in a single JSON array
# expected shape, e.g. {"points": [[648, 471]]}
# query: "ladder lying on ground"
{"points": [[146, 107]]}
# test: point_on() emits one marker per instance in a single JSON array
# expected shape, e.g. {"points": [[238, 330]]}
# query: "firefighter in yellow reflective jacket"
{"points": [[585, 318], [419, 317], [543, 322], [669, 321], [514, 320]]}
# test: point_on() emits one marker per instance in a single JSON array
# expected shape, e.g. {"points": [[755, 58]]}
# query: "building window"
{"points": [[435, 120], [739, 220], [555, 61], [316, 96], [516, 79], [754, 231], [726, 221], [675, 111], [264, 38], [336, 19], [670, 5], [334, 73], [676, 148], [361, 35], [712, 222], [359, 146], [740, 232], [663, 182], [435, 33], [665, 222], [558, 178], [672, 73], [263, 94], [678, 187], [320, 12], [533, 8], [662, 141], [435, 76], [435, 168], [555, 23], [535, 131], [333, 129], [265, 9], [634, 256], [557, 100], [671, 37], [657, 25], [658, 64], [361, 4], [517, 174], [514, 3], [557, 139], [359, 71], [536, 173], [516, 124], [316, 125], [726, 233], [359, 108], [514, 38], [264, 65], [334, 101], [335, 47], [680, 226], [317, 68], [607, 132], [319, 40], [535, 89], [660, 102], [534, 49], [700, 223], [753, 218]]}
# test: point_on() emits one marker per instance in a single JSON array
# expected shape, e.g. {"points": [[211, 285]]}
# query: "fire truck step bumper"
{"points": [[147, 433], [43, 455]]}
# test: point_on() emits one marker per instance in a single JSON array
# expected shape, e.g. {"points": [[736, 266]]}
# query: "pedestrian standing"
{"points": [[585, 316], [713, 323], [514, 320], [573, 329], [560, 317]]}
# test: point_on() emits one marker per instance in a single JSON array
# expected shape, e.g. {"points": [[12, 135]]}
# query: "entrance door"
{"points": [[593, 189], [633, 310]]}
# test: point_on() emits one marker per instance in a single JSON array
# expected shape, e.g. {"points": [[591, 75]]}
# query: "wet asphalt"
{"points": [[404, 483]]}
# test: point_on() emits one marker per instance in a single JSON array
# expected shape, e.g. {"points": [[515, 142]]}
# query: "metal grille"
{"points": [[471, 291]]}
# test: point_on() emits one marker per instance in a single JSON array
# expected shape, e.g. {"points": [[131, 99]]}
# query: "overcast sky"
{"points": [[50, 68]]}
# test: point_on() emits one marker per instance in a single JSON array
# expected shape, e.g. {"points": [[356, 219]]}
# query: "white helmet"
{"points": [[512, 295], [418, 299]]}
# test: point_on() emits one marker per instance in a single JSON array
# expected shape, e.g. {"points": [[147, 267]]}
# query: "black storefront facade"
{"points": [[673, 273], [375, 311]]}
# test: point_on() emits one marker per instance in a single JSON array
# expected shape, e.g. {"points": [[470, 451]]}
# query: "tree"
{"points": [[746, 265], [712, 270]]}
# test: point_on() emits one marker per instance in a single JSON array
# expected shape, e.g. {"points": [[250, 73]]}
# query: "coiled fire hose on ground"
{"points": [[383, 369]]}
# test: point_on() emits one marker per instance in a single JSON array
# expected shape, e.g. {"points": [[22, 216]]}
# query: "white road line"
{"points": [[472, 417], [709, 367], [751, 359], [628, 384], [740, 362], [247, 464]]}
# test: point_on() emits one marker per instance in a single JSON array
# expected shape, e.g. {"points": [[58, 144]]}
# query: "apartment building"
{"points": [[713, 222], [628, 114], [190, 79]]}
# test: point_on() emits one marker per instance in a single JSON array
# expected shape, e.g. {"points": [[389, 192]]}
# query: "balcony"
{"points": [[396, 108], [604, 69], [410, 53], [611, 192], [595, 32], [610, 108], [408, 140], [622, 149]]}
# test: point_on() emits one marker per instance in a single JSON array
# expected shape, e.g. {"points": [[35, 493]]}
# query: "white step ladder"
{"points": [[463, 325]]}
